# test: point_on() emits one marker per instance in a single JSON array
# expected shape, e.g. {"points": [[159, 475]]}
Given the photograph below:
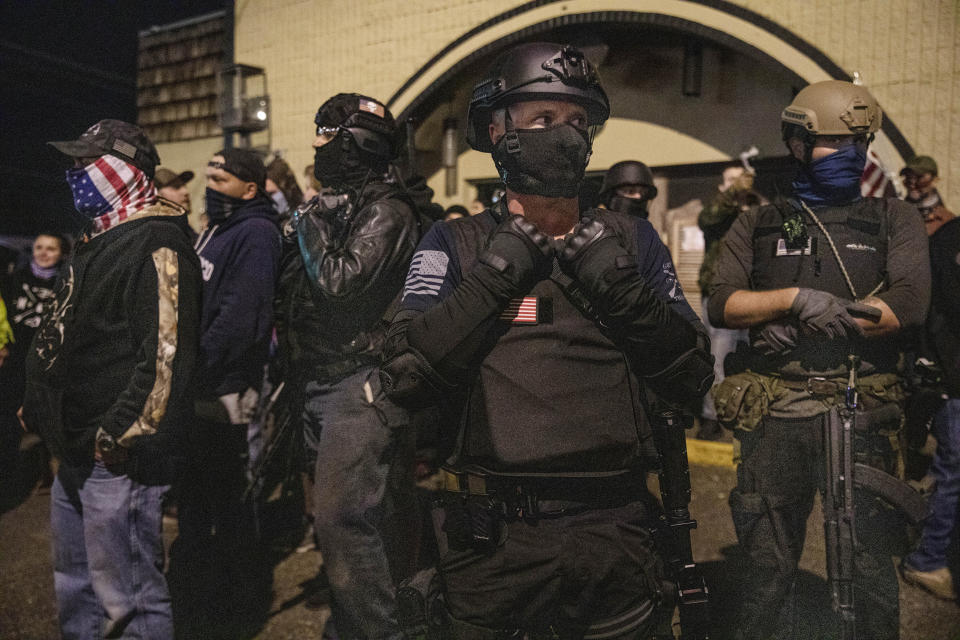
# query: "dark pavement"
{"points": [[27, 610]]}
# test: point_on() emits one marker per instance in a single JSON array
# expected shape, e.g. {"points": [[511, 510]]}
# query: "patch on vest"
{"points": [[528, 310], [783, 250], [426, 274], [856, 246]]}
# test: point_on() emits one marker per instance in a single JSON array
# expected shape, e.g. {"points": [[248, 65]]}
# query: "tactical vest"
{"points": [[860, 235], [554, 395]]}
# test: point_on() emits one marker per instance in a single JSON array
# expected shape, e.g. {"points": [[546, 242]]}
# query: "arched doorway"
{"points": [[692, 83]]}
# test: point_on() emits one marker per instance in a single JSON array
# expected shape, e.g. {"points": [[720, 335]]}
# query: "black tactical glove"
{"points": [[775, 338], [594, 256], [662, 346], [520, 253], [826, 314]]}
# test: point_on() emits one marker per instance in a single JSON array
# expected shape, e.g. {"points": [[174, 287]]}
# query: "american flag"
{"points": [[521, 310], [118, 186], [875, 183]]}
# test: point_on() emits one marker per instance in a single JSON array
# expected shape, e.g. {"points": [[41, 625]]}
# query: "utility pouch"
{"points": [[743, 399], [474, 523]]}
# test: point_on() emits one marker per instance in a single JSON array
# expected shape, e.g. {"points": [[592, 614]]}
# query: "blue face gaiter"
{"points": [[833, 180]]}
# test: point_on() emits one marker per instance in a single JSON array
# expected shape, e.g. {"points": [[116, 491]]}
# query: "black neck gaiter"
{"points": [[630, 206], [220, 206], [545, 162]]}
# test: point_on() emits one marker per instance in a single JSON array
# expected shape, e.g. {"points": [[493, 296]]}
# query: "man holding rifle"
{"points": [[818, 277]]}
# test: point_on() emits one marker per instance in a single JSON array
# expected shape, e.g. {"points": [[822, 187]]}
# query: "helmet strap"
{"points": [[512, 139]]}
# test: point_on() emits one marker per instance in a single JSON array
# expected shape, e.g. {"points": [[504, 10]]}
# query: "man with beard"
{"points": [[542, 328], [928, 565], [348, 251], [805, 275], [109, 385]]}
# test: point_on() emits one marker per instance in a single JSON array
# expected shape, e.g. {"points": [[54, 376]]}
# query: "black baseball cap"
{"points": [[166, 178], [244, 164], [115, 137]]}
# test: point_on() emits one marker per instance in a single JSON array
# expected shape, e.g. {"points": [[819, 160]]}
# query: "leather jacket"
{"points": [[340, 273]]}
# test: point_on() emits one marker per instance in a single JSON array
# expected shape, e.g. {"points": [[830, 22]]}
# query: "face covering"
{"points": [[220, 206], [109, 190], [336, 169], [44, 273], [926, 203], [833, 180], [630, 206], [279, 201], [549, 162]]}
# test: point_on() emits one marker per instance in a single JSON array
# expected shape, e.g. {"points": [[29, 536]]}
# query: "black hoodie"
{"points": [[117, 349]]}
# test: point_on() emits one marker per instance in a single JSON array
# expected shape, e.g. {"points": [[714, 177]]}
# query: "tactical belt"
{"points": [[837, 386], [545, 496], [817, 385]]}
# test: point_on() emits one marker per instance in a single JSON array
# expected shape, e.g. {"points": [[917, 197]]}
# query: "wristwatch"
{"points": [[105, 442]]}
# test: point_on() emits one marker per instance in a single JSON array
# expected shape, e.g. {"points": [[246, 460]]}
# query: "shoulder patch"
{"points": [[426, 274]]}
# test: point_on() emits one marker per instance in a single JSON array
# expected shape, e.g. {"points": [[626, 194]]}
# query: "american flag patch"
{"points": [[427, 270], [521, 310], [373, 107]]}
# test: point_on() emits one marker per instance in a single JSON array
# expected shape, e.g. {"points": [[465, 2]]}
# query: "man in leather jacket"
{"points": [[548, 326], [350, 251]]}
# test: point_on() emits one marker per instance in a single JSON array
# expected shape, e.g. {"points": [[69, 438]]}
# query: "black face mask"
{"points": [[630, 206], [220, 206], [334, 167], [544, 162]]}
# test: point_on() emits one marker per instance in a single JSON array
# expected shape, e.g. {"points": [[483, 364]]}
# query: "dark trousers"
{"points": [[563, 574], [363, 502], [781, 469], [214, 561]]}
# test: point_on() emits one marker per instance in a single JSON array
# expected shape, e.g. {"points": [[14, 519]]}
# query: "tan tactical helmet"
{"points": [[833, 108]]}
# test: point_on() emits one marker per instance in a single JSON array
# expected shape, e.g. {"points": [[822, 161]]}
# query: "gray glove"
{"points": [[826, 314], [775, 338]]}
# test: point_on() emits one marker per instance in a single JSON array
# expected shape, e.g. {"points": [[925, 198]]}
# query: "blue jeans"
{"points": [[360, 446], [940, 526], [108, 556], [722, 342]]}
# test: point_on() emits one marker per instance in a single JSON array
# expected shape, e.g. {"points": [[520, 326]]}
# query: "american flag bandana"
{"points": [[110, 190]]}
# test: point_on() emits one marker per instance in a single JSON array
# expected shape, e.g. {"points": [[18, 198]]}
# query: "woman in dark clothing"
{"points": [[25, 292]]}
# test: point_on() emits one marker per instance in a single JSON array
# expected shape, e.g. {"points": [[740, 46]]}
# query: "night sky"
{"points": [[63, 66]]}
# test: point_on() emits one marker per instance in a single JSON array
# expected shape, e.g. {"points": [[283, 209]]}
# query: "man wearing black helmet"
{"points": [[628, 188], [543, 329], [347, 255], [805, 275]]}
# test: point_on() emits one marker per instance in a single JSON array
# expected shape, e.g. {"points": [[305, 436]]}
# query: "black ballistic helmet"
{"points": [[535, 71], [627, 172], [368, 121]]}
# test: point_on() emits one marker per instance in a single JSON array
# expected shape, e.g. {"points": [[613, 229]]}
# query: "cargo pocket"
{"points": [[743, 399]]}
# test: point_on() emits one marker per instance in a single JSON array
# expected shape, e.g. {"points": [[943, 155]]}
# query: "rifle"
{"points": [[838, 510], [692, 596]]}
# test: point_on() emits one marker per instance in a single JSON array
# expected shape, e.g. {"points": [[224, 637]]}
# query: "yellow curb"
{"points": [[706, 452]]}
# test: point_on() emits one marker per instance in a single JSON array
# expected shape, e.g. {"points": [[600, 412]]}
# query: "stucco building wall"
{"points": [[907, 52]]}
